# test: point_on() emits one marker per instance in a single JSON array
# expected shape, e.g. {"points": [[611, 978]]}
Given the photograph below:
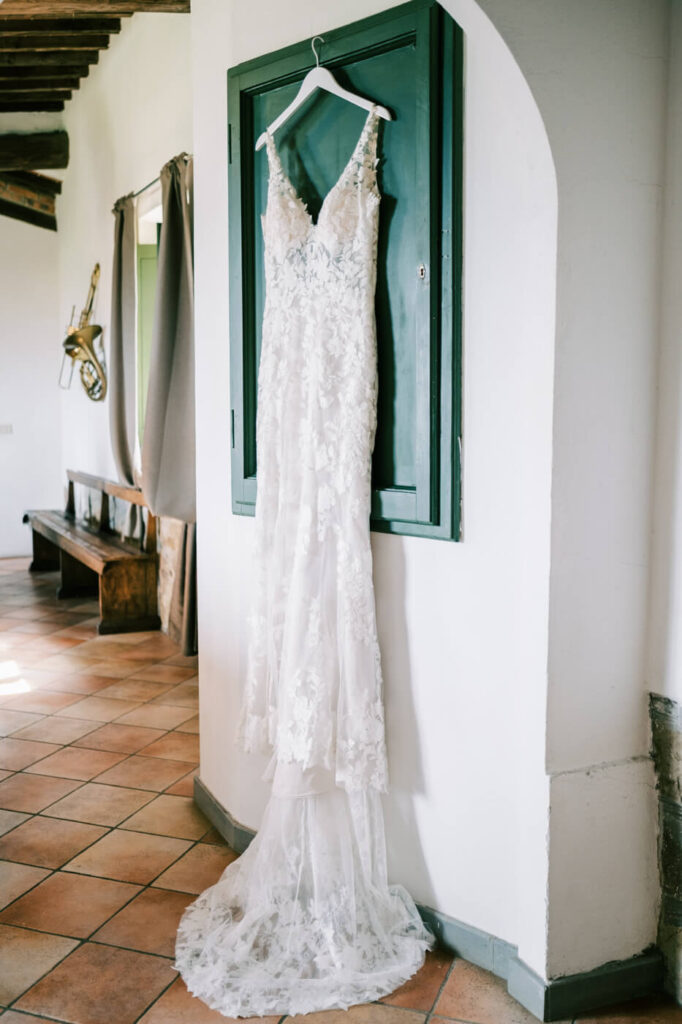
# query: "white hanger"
{"points": [[319, 78]]}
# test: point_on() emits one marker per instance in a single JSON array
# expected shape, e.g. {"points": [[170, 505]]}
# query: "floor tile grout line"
{"points": [[80, 942], [38, 1016], [141, 888], [109, 830], [8, 906], [81, 696], [93, 778], [145, 885], [431, 1012], [83, 939], [36, 981], [44, 812], [60, 867], [71, 745], [79, 821], [394, 1007], [159, 996], [463, 1020], [90, 938], [103, 878]]}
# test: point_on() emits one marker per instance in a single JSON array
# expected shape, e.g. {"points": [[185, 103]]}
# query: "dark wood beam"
{"points": [[40, 183], [15, 74], [30, 108], [39, 42], [22, 201], [49, 96], [43, 150], [18, 212], [53, 58], [37, 84], [88, 8], [19, 25]]}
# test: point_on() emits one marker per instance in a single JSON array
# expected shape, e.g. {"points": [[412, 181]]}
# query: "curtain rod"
{"points": [[186, 156], [144, 188]]}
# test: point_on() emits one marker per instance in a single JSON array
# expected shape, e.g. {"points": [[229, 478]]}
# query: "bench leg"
{"points": [[45, 554], [127, 597], [77, 579]]}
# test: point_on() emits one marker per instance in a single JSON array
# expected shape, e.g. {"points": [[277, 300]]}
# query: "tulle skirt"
{"points": [[305, 919]]}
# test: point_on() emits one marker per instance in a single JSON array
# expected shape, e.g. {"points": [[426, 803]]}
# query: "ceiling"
{"points": [[47, 48]]}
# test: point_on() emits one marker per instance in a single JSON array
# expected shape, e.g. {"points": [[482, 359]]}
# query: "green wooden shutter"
{"points": [[408, 59]]}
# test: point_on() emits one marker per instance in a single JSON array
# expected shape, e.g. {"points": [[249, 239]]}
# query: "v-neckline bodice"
{"points": [[274, 156]]}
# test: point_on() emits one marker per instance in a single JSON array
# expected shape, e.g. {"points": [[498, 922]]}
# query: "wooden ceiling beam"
{"points": [[36, 150], [31, 108], [89, 8], [21, 200], [49, 96], [39, 42], [40, 183], [52, 58], [16, 74], [37, 84], [19, 25]]}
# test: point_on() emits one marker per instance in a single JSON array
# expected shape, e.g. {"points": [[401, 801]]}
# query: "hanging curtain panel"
{"points": [[183, 621], [168, 446], [122, 340]]}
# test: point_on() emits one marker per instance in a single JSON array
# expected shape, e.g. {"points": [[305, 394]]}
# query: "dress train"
{"points": [[305, 920]]}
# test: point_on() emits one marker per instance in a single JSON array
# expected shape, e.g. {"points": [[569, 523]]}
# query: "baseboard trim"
{"points": [[553, 1000], [615, 982], [235, 835], [470, 943]]}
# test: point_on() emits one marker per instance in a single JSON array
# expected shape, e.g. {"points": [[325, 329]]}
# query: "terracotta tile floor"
{"points": [[102, 848]]}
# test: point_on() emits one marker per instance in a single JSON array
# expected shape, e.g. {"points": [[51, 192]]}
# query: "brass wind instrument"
{"points": [[79, 345]]}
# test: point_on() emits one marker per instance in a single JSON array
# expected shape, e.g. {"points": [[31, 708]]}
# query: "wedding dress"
{"points": [[305, 919]]}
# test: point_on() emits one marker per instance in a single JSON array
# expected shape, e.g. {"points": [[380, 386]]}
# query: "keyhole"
{"points": [[421, 272]]}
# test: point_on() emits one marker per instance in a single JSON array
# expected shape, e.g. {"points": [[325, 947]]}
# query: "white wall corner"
{"points": [[603, 869]]}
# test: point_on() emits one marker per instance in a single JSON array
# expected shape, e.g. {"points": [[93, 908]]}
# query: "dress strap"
{"points": [[365, 156], [371, 132], [271, 150], [274, 161]]}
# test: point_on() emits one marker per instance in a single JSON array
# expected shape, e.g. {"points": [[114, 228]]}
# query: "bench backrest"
{"points": [[110, 488]]}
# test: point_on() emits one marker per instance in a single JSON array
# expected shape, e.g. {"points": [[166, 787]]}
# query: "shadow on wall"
{"points": [[406, 776]]}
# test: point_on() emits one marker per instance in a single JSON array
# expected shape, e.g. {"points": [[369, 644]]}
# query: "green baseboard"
{"points": [[235, 835], [556, 999]]}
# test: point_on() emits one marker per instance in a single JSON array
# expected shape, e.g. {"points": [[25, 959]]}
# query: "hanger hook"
{"points": [[314, 49]]}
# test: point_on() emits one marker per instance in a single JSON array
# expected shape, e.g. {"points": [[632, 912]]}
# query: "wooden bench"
{"points": [[124, 572]]}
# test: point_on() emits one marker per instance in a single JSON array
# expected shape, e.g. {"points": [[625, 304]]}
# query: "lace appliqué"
{"points": [[313, 689], [305, 919]]}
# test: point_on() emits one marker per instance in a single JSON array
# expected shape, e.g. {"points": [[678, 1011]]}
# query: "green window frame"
{"points": [[416, 473]]}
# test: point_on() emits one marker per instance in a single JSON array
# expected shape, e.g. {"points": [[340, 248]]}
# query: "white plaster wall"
{"points": [[30, 357], [604, 107], [664, 674], [130, 116], [603, 874], [598, 73], [463, 627]]}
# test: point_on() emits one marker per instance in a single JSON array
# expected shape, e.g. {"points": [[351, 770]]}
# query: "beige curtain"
{"points": [[122, 340], [168, 445], [182, 623]]}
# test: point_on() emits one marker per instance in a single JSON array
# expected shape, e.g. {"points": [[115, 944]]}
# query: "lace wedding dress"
{"points": [[305, 919]]}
